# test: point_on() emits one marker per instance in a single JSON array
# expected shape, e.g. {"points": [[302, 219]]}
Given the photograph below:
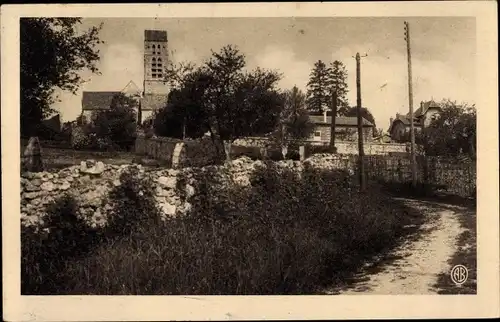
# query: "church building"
{"points": [[155, 89]]}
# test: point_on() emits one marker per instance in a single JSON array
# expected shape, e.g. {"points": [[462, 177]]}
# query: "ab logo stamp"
{"points": [[459, 274]]}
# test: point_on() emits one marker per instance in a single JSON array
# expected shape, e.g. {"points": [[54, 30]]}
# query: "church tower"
{"points": [[156, 59]]}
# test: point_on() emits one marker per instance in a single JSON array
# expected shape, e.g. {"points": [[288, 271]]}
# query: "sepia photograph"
{"points": [[287, 155]]}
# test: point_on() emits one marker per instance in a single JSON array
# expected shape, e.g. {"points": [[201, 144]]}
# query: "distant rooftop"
{"points": [[97, 100], [155, 35]]}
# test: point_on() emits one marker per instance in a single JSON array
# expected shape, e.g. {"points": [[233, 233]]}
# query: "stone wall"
{"points": [[91, 182], [371, 148], [343, 147], [157, 148], [175, 152]]}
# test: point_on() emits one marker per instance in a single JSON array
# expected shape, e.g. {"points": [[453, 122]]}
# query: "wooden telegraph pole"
{"points": [[410, 97], [360, 124], [333, 125]]}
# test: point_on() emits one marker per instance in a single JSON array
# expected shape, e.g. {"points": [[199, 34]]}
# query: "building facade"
{"points": [[346, 128], [422, 117], [155, 89]]}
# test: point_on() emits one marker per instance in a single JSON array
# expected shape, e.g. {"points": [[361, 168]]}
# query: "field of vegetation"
{"points": [[281, 235]]}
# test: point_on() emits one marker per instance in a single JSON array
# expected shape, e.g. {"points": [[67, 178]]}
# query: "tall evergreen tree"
{"points": [[338, 74], [318, 88]]}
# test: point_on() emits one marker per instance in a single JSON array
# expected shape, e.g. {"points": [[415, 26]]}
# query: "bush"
{"points": [[44, 254], [284, 234], [134, 207], [79, 139]]}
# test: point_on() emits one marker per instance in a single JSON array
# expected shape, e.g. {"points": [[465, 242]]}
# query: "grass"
{"points": [[466, 255], [282, 235]]}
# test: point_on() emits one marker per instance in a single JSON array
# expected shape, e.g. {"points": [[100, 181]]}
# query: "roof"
{"points": [[403, 118], [155, 35], [92, 101], [153, 101], [339, 120], [131, 89], [424, 107]]}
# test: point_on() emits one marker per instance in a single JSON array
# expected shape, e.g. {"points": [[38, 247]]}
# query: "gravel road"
{"points": [[414, 266]]}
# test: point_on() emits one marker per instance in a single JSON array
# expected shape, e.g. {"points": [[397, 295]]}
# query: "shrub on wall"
{"points": [[133, 205]]}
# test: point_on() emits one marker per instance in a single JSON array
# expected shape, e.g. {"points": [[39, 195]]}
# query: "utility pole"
{"points": [[334, 120], [360, 124], [184, 128], [410, 97]]}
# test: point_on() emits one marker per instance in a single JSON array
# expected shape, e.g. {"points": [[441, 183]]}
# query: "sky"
{"points": [[442, 48]]}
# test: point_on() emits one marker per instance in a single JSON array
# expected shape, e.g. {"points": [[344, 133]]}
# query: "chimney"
{"points": [[422, 105], [324, 116]]}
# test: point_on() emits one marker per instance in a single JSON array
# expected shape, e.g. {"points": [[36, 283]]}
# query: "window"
{"points": [[154, 47], [159, 65], [317, 135], [160, 75], [154, 65], [154, 75], [159, 60]]}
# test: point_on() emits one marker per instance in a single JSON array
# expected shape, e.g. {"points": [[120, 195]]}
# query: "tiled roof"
{"points": [[92, 101], [151, 102], [339, 120], [155, 35]]}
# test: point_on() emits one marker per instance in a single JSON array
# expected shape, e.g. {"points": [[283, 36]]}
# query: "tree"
{"points": [[293, 123], [184, 115], [365, 113], [177, 74], [52, 54], [338, 74], [117, 125], [452, 133], [222, 98], [319, 87]]}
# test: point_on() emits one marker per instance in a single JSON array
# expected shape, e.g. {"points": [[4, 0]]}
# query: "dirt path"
{"points": [[413, 268]]}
